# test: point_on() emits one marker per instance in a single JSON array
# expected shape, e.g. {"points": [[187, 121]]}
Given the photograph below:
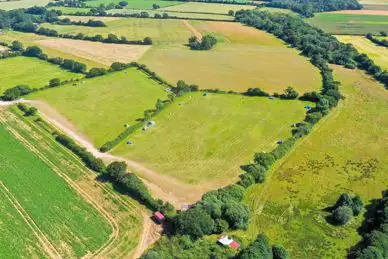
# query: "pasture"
{"points": [[175, 14], [69, 10], [353, 24], [245, 57], [202, 140], [30, 71], [374, 4], [197, 7], [379, 54], [333, 159], [98, 108], [135, 4], [9, 5], [72, 226]]}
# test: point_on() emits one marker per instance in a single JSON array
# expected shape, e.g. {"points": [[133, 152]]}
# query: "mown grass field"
{"points": [[379, 54], [73, 226], [17, 240], [100, 107], [22, 4], [203, 140], [30, 71], [135, 4], [355, 24], [69, 10], [176, 14], [346, 152], [206, 7], [245, 57], [161, 31]]}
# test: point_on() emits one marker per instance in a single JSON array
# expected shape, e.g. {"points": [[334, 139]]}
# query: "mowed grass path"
{"points": [[73, 226], [354, 24], [16, 240], [30, 71], [243, 58], [379, 54], [100, 107], [346, 152], [204, 140]]}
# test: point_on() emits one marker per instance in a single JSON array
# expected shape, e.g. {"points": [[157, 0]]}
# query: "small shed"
{"points": [[279, 142], [227, 241], [159, 217]]}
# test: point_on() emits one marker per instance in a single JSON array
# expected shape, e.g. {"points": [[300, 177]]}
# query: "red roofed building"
{"points": [[234, 245], [159, 216]]}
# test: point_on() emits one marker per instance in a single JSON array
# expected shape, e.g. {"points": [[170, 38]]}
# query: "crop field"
{"points": [[134, 4], [17, 239], [100, 107], [375, 4], [22, 4], [379, 54], [202, 140], [354, 24], [245, 57], [206, 8], [175, 14], [30, 71], [161, 31], [289, 207], [73, 226]]}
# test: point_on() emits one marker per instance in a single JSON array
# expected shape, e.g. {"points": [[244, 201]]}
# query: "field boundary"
{"points": [[47, 245]]}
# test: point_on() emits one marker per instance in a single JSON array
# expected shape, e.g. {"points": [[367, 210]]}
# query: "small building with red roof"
{"points": [[226, 241], [159, 216]]}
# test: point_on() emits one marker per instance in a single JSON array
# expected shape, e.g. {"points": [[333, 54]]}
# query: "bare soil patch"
{"points": [[367, 12], [99, 52]]}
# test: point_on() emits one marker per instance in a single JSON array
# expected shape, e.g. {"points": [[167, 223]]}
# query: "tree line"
{"points": [[383, 42]]}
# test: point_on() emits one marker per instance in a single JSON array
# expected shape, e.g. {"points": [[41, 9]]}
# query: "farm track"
{"points": [[193, 30], [151, 232], [47, 245]]}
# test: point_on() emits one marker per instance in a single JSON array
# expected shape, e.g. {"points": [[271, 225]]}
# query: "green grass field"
{"points": [[161, 31], [134, 4], [355, 24], [377, 53], [30, 71], [346, 152], [245, 57], [176, 14], [73, 226], [69, 10], [17, 240], [206, 8], [204, 140], [22, 4], [100, 107]]}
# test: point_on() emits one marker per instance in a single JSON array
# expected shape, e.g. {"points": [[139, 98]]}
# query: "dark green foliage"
{"points": [[32, 111], [16, 92], [265, 159], [96, 72], [283, 148], [182, 87], [207, 43], [256, 170], [221, 226], [342, 215], [237, 215], [73, 66], [353, 202], [260, 248], [302, 129], [116, 169], [33, 51], [96, 164], [383, 42], [117, 66], [193, 222], [17, 46], [289, 93], [147, 41], [231, 13], [255, 92], [54, 82], [279, 252], [313, 117]]}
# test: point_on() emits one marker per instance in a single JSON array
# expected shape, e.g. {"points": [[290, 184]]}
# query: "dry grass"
{"points": [[99, 52], [368, 12]]}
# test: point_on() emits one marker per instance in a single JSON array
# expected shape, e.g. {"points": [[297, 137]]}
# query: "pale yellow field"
{"points": [[363, 45]]}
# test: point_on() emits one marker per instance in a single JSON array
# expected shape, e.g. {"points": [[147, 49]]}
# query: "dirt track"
{"points": [[193, 30]]}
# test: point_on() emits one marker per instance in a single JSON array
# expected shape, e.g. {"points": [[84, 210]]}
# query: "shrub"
{"points": [[279, 252], [54, 82], [342, 215], [33, 51], [16, 92], [265, 159], [237, 215], [193, 222], [96, 72]]}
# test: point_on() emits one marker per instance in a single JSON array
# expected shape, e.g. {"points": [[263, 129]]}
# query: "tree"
{"points": [[116, 169], [221, 226], [159, 105], [54, 82], [32, 111], [289, 93], [193, 222], [118, 66], [17, 46], [16, 92], [237, 215], [147, 41], [342, 215], [123, 3], [155, 6], [96, 71], [259, 249], [279, 252], [264, 159], [33, 51], [231, 13]]}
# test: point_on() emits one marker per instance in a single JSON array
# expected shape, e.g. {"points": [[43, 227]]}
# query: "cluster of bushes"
{"points": [[68, 3], [133, 186], [375, 236], [111, 38], [16, 92], [383, 42], [345, 208], [256, 92], [207, 42], [307, 8], [93, 163], [261, 248], [89, 23], [28, 111]]}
